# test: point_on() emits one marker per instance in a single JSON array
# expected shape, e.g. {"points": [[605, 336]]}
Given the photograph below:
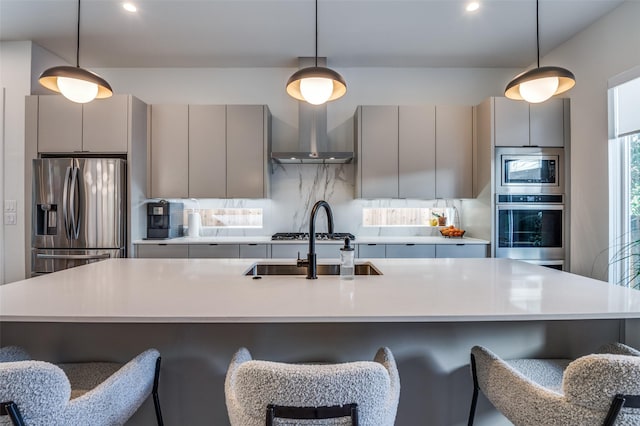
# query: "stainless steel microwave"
{"points": [[529, 170]]}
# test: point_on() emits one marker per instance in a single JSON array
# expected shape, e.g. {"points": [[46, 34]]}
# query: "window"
{"points": [[624, 187]]}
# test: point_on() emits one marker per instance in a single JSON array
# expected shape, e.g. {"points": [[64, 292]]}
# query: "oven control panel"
{"points": [[526, 198]]}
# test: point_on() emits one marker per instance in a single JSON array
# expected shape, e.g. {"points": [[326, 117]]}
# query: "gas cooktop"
{"points": [[303, 236]]}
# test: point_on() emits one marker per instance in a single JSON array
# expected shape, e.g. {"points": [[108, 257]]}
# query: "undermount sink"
{"points": [[322, 269]]}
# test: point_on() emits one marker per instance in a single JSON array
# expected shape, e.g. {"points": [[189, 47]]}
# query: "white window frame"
{"points": [[619, 185]]}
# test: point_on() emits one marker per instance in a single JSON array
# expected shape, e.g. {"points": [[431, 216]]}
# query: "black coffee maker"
{"points": [[165, 220]]}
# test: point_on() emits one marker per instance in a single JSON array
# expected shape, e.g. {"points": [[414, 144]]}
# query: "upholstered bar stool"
{"points": [[361, 393], [38, 393], [596, 389]]}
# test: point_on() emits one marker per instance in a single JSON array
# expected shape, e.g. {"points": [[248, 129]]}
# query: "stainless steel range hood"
{"points": [[312, 134]]}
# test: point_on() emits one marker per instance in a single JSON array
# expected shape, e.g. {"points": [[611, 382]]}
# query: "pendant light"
{"points": [[541, 83], [75, 83], [316, 85]]}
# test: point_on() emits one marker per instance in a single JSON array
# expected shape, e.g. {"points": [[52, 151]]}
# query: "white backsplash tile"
{"points": [[294, 190]]}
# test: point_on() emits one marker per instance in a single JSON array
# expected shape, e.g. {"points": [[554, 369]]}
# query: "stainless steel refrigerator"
{"points": [[79, 212]]}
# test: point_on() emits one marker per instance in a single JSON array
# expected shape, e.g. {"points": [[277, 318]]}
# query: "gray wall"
{"points": [[607, 48]]}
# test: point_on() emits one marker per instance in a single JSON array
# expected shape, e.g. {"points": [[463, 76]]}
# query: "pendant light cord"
{"points": [[317, 33], [78, 39], [538, 33]]}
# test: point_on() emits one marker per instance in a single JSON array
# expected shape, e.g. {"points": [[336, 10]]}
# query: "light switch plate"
{"points": [[10, 219], [10, 205]]}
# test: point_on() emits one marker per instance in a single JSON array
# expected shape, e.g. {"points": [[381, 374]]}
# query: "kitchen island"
{"points": [[430, 312]]}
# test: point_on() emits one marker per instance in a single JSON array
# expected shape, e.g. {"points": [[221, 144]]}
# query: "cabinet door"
{"points": [[371, 251], [547, 123], [214, 251], [511, 122], [454, 151], [245, 151], [207, 151], [169, 151], [59, 124], [416, 152], [163, 251], [378, 152], [461, 250], [105, 126], [410, 251], [254, 251]]}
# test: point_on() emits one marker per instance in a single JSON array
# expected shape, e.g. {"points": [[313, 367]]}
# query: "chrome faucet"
{"points": [[310, 261]]}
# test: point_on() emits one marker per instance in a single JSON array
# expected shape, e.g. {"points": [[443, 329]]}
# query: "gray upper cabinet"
{"points": [[416, 152], [105, 125], [101, 126], [53, 136], [511, 120], [169, 151], [377, 151], [247, 151], [454, 151], [518, 123], [546, 121], [422, 152], [207, 151]]}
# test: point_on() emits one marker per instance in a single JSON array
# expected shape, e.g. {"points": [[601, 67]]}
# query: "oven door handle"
{"points": [[537, 206]]}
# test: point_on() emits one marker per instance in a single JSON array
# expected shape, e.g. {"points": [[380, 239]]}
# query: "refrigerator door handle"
{"points": [[74, 208], [65, 199], [73, 256]]}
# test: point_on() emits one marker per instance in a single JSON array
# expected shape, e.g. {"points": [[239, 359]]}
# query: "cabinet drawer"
{"points": [[214, 251], [461, 250], [254, 251], [410, 250], [163, 251], [371, 251], [290, 251]]}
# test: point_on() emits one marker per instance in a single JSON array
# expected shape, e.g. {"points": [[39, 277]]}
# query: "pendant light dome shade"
{"points": [[75, 83], [316, 85], [539, 84]]}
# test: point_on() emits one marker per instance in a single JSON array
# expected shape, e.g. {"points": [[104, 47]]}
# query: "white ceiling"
{"points": [[274, 33]]}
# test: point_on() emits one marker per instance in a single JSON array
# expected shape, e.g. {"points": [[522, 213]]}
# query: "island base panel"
{"points": [[432, 358]]}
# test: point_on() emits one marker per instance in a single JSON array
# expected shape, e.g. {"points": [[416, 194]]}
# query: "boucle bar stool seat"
{"points": [[361, 393], [596, 389], [38, 393]]}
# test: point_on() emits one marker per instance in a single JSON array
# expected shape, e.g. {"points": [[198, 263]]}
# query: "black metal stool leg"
{"points": [[474, 400], [156, 398], [11, 409]]}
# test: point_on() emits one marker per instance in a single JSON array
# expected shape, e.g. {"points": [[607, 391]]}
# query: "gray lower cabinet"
{"points": [[372, 251], [214, 251], [255, 251], [162, 251], [410, 251], [291, 251], [461, 250], [323, 251]]}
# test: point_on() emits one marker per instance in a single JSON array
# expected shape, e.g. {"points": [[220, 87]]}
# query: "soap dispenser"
{"points": [[347, 254]]}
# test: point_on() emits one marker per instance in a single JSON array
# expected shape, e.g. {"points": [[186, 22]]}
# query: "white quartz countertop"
{"points": [[358, 240], [216, 291]]}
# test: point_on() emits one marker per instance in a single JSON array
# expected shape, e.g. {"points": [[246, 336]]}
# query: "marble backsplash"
{"points": [[294, 190]]}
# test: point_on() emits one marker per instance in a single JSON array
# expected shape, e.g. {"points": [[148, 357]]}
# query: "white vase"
{"points": [[194, 225]]}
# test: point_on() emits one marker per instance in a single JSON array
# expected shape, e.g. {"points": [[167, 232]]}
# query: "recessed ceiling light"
{"points": [[473, 6], [129, 7]]}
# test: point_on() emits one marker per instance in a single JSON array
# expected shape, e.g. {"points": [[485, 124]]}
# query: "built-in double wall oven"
{"points": [[530, 207]]}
